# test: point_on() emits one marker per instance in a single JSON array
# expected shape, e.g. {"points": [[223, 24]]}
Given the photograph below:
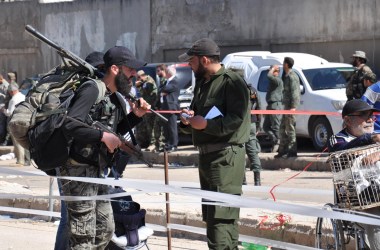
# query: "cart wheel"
{"points": [[329, 233]]}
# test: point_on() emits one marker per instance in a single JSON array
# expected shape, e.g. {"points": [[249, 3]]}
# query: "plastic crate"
{"points": [[356, 177]]}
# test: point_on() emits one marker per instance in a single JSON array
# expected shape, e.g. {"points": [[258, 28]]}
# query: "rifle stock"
{"points": [[61, 51]]}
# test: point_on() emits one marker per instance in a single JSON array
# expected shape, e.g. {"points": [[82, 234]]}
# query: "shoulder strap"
{"points": [[101, 87]]}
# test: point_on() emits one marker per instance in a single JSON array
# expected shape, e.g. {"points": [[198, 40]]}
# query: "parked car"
{"points": [[323, 88]]}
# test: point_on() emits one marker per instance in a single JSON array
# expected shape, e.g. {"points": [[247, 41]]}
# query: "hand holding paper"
{"points": [[214, 112]]}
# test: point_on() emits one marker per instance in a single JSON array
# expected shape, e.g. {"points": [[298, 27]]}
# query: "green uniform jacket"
{"points": [[228, 92], [291, 94], [275, 88]]}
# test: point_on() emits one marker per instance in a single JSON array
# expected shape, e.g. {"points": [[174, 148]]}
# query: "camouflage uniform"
{"points": [[90, 222], [290, 100], [221, 150], [158, 138], [355, 87], [148, 91], [271, 124]]}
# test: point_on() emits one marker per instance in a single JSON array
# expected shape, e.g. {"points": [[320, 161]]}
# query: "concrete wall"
{"points": [[332, 29], [159, 30], [81, 27]]}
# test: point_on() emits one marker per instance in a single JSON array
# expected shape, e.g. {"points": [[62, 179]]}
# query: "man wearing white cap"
{"points": [[355, 87]]}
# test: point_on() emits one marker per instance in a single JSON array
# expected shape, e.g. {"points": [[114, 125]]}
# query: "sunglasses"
{"points": [[366, 116]]}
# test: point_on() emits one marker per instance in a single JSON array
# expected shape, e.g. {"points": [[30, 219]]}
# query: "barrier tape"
{"points": [[30, 211], [236, 201], [270, 112], [229, 200]]}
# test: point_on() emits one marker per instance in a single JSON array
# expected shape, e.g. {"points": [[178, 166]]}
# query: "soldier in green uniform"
{"points": [[355, 87], [252, 147], [272, 123], [290, 100], [148, 90], [219, 136]]}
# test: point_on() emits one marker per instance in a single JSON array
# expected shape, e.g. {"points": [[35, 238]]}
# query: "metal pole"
{"points": [[169, 235], [51, 182]]}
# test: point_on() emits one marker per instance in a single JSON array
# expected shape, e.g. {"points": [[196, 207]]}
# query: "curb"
{"points": [[292, 233], [6, 150], [268, 162]]}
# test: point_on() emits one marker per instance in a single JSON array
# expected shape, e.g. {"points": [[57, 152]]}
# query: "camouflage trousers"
{"points": [[144, 130], [158, 138], [288, 140], [90, 223], [272, 123]]}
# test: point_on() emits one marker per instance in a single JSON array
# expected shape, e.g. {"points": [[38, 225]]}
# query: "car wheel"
{"points": [[320, 133]]}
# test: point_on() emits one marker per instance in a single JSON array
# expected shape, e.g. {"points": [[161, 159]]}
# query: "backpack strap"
{"points": [[101, 87]]}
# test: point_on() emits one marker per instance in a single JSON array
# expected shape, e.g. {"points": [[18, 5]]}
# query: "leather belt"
{"points": [[212, 147]]}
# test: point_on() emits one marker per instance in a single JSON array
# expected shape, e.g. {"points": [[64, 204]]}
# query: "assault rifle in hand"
{"points": [[133, 150]]}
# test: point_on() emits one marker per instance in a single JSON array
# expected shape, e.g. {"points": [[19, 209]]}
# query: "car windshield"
{"points": [[328, 78]]}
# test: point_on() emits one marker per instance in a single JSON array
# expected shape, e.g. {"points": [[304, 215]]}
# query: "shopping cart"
{"points": [[356, 179]]}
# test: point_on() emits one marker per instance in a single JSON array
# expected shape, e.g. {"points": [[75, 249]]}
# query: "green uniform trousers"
{"points": [[272, 123], [288, 140], [222, 171], [252, 149]]}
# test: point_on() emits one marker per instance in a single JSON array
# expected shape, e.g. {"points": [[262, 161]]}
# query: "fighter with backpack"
{"points": [[36, 122]]}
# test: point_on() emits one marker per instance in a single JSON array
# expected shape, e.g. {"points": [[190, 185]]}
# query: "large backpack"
{"points": [[34, 123]]}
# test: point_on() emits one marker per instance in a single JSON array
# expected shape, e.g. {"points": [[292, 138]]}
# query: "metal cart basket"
{"points": [[356, 177]]}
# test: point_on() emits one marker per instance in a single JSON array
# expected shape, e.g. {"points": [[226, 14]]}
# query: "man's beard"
{"points": [[122, 83], [201, 71]]}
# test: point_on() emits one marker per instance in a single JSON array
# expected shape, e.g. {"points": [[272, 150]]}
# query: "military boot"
{"points": [[256, 178]]}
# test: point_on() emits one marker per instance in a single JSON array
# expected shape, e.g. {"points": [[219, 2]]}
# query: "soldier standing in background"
{"points": [[147, 88], [272, 123], [355, 87], [290, 100], [157, 142], [252, 147]]}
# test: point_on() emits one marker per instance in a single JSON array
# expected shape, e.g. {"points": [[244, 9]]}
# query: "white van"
{"points": [[323, 88]]}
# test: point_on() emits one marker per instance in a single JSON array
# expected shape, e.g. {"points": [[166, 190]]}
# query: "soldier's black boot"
{"points": [[256, 178]]}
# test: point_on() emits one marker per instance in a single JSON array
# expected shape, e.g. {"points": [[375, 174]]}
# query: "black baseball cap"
{"points": [[202, 47], [356, 105], [120, 55], [95, 58]]}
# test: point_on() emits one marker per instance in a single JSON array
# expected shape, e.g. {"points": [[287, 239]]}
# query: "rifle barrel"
{"points": [[61, 51]]}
